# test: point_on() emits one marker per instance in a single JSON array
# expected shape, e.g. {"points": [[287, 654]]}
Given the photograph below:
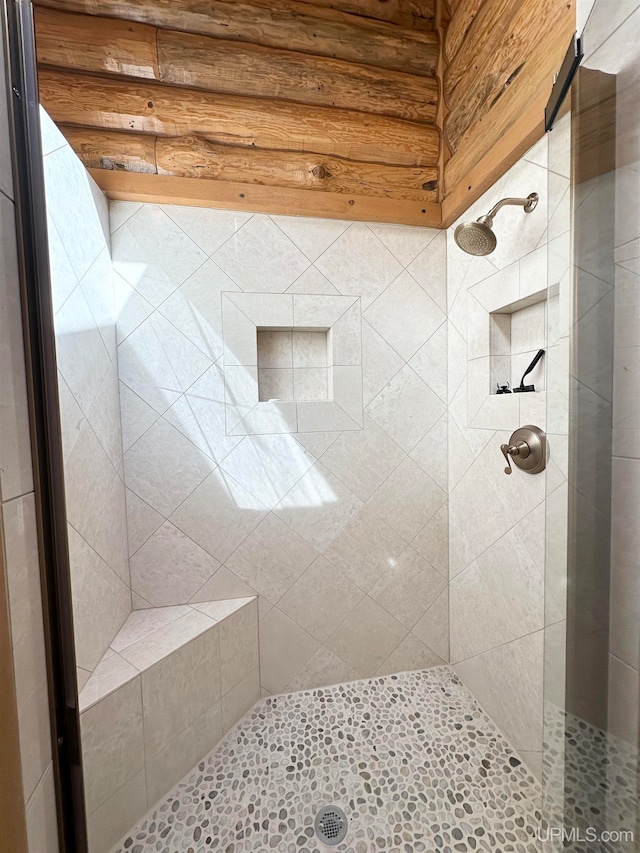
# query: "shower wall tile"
{"points": [[367, 638], [405, 314], [260, 257], [286, 648], [23, 585], [359, 264], [112, 744], [108, 823], [321, 599], [496, 569], [410, 654], [282, 505], [42, 820], [15, 452], [166, 685], [507, 682], [365, 548], [408, 588], [183, 752], [153, 567], [85, 327], [163, 467], [238, 646]]}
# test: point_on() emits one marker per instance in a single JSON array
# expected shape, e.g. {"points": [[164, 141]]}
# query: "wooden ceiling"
{"points": [[360, 109]]}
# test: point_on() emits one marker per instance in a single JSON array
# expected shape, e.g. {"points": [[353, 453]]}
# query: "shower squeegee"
{"points": [[524, 387]]}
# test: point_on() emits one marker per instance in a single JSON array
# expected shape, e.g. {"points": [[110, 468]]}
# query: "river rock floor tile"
{"points": [[412, 760]]}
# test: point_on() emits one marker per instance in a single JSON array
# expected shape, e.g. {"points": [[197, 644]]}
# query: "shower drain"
{"points": [[331, 825]]}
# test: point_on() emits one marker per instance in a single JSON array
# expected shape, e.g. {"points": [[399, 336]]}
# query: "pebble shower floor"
{"points": [[411, 758]]}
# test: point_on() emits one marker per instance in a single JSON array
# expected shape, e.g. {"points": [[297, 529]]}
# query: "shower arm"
{"points": [[528, 203]]}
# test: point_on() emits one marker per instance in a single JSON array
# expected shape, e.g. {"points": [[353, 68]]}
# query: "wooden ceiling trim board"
{"points": [[196, 158], [104, 45], [150, 107], [160, 189], [287, 24], [500, 66]]}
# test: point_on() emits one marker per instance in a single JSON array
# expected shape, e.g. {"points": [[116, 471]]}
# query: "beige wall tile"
{"points": [[192, 671], [367, 638], [112, 744], [240, 699], [285, 649], [167, 767], [238, 645], [108, 823]]}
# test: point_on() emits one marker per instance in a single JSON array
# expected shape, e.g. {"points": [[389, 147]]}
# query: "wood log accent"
{"points": [[465, 12], [287, 24], [503, 73], [406, 13], [498, 61], [160, 189], [113, 150], [104, 45], [150, 107], [193, 157]]}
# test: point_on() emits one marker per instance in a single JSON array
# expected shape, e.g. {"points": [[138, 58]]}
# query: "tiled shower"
{"points": [[295, 554], [287, 412]]}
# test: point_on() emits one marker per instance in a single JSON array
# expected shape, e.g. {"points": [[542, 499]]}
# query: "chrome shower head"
{"points": [[477, 238]]}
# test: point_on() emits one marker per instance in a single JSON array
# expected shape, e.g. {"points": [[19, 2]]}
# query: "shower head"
{"points": [[477, 238]]}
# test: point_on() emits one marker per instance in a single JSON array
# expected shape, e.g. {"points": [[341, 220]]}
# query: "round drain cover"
{"points": [[331, 825]]}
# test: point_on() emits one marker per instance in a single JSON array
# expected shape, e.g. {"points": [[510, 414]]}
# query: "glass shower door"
{"points": [[592, 569]]}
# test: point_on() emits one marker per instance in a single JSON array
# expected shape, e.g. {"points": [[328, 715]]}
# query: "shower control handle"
{"points": [[520, 449], [527, 448]]}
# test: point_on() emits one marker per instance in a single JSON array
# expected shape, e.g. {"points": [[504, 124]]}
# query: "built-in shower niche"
{"points": [[516, 332], [506, 328], [293, 365]]}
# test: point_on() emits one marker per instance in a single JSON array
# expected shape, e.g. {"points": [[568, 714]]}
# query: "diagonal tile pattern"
{"points": [[320, 512]]}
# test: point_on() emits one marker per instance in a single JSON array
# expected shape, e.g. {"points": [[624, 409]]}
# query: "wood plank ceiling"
{"points": [[324, 107]]}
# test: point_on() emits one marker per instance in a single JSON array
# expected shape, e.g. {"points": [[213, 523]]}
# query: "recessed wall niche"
{"points": [[517, 332], [292, 365], [506, 328]]}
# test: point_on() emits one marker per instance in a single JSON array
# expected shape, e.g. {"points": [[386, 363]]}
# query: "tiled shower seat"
{"points": [[174, 680]]}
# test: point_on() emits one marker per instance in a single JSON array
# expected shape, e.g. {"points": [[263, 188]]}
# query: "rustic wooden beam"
{"points": [[150, 107], [441, 24], [288, 25], [488, 29], [459, 25], [108, 149], [484, 142], [197, 158], [158, 189], [98, 44], [263, 72], [505, 57], [466, 185], [406, 13]]}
